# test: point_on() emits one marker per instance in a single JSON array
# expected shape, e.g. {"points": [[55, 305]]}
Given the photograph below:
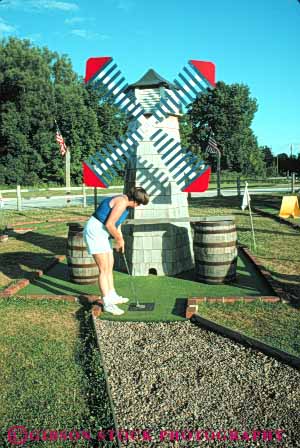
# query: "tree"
{"points": [[267, 155], [38, 86], [269, 159], [288, 164], [228, 111]]}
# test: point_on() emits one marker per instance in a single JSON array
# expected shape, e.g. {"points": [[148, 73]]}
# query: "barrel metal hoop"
{"points": [[215, 232], [216, 278], [83, 277], [217, 263], [229, 244], [212, 224], [82, 248]]}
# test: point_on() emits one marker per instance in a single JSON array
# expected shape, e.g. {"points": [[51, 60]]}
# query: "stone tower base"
{"points": [[161, 249]]}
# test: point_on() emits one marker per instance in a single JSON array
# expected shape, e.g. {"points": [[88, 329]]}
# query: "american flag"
{"points": [[61, 142], [212, 147]]}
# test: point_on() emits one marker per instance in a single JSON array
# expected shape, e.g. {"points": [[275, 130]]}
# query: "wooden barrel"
{"points": [[215, 250], [82, 266]]}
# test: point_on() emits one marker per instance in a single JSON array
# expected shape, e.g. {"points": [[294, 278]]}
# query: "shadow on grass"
{"points": [[12, 264], [267, 201], [179, 307], [55, 288], [54, 244], [287, 277], [17, 265], [224, 201], [242, 281], [258, 200], [264, 231]]}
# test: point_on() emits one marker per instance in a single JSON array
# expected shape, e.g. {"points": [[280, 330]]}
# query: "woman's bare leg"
{"points": [[103, 264], [110, 268]]}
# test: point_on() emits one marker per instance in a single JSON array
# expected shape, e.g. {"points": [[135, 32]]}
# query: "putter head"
{"points": [[141, 306]]}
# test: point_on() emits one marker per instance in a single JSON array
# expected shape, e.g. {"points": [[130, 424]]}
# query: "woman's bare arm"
{"points": [[115, 214]]}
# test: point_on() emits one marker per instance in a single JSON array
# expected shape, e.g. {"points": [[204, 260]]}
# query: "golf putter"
{"points": [[137, 306]]}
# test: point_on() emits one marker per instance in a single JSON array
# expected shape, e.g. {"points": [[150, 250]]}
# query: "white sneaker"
{"points": [[114, 298], [113, 309], [118, 299]]}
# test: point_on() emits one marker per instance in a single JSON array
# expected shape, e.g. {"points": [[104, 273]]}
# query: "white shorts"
{"points": [[96, 237]]}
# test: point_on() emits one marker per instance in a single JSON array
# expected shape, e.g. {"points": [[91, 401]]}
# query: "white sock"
{"points": [[112, 293], [106, 300]]}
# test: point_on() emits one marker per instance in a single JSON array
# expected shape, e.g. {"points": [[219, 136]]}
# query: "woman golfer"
{"points": [[103, 225]]}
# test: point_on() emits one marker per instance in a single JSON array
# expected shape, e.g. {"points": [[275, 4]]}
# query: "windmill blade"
{"points": [[118, 154], [185, 167], [195, 79], [102, 72]]}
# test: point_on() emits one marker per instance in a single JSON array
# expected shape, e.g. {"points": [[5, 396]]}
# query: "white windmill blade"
{"points": [[183, 165], [189, 84], [103, 72], [118, 154], [195, 79]]}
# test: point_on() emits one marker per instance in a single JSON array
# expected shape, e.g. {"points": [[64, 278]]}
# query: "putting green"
{"points": [[168, 293]]}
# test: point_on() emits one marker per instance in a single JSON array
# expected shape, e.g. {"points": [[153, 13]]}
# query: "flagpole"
{"points": [[65, 152], [212, 148], [68, 175], [219, 174], [251, 219]]}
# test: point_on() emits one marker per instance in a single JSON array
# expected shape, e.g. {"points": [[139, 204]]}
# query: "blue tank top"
{"points": [[103, 211]]}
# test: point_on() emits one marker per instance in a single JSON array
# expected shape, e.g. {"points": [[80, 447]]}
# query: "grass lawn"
{"points": [[277, 250], [49, 192], [277, 244], [232, 184], [24, 253], [272, 205], [275, 324], [50, 370]]}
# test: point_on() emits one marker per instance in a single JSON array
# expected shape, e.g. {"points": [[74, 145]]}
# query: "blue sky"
{"points": [[253, 42]]}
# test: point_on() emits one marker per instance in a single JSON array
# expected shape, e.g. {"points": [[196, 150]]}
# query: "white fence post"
{"points": [[238, 186], [19, 198], [84, 195], [293, 183]]}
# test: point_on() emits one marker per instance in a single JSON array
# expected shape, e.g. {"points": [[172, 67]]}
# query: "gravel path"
{"points": [[176, 376]]}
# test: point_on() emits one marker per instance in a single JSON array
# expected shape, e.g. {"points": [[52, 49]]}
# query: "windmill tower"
{"points": [[158, 236], [156, 242]]}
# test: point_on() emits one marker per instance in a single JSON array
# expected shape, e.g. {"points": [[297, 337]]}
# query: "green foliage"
{"points": [[288, 164], [228, 111], [270, 161], [38, 86]]}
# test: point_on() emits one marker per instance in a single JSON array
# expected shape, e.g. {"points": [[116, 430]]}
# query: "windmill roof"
{"points": [[151, 79]]}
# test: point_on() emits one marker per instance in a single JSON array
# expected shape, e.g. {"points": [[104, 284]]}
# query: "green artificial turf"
{"points": [[168, 293]]}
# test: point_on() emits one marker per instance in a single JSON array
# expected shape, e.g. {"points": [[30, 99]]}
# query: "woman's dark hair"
{"points": [[139, 195]]}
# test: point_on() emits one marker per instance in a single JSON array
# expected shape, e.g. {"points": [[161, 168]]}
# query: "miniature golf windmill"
{"points": [[157, 237]]}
